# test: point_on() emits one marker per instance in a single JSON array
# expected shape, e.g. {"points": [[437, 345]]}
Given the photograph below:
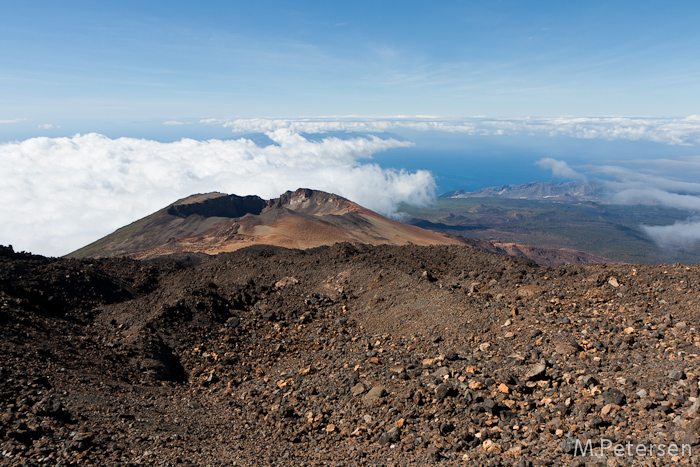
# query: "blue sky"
{"points": [[78, 64], [111, 110]]}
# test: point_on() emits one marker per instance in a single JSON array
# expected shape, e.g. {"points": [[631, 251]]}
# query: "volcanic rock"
{"points": [[121, 362]]}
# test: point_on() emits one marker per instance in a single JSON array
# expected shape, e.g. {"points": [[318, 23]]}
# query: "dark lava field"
{"points": [[344, 356]]}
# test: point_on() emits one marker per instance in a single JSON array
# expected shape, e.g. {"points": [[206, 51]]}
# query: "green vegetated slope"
{"points": [[608, 230]]}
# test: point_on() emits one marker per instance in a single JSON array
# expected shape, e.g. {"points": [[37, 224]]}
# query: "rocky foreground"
{"points": [[347, 355]]}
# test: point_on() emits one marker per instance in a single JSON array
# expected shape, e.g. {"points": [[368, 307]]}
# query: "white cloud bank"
{"points": [[674, 131], [680, 234], [560, 169], [58, 194]]}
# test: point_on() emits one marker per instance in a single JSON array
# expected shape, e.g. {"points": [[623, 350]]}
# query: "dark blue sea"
{"points": [[469, 163]]}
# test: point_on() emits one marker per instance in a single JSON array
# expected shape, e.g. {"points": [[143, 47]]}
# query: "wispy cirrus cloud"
{"points": [[58, 194], [672, 131]]}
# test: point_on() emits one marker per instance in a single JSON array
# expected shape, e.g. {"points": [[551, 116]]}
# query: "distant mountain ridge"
{"points": [[590, 191]]}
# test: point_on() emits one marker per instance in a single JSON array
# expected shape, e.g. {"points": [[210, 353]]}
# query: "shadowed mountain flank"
{"points": [[218, 205]]}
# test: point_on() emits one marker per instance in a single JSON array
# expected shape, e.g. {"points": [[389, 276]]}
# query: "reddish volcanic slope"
{"points": [[213, 223]]}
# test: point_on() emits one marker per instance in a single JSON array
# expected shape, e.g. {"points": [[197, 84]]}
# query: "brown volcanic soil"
{"points": [[552, 257], [343, 355]]}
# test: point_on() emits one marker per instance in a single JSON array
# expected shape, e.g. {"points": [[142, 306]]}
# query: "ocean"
{"points": [[460, 162]]}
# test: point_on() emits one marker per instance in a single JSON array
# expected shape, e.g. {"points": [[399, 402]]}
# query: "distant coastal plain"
{"points": [[609, 230]]}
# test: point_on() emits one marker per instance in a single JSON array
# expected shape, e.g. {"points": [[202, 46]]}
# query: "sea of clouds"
{"points": [[664, 182], [675, 131], [59, 194]]}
